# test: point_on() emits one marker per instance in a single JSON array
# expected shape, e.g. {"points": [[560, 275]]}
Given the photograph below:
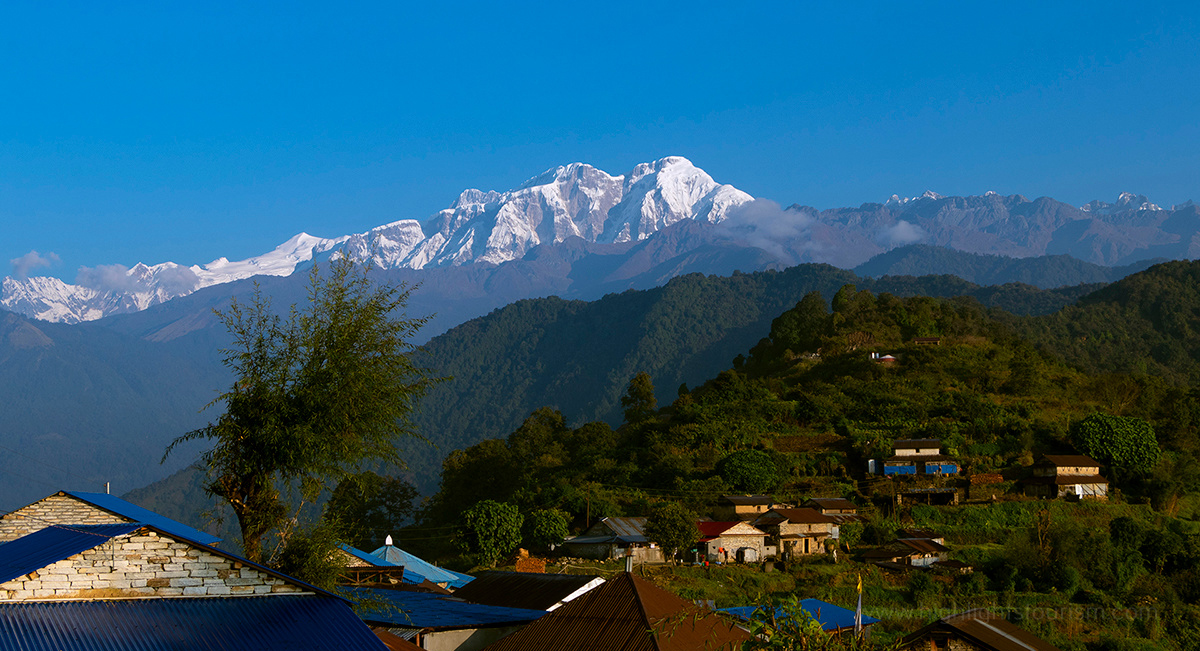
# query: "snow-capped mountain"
{"points": [[114, 289], [1126, 201], [575, 200]]}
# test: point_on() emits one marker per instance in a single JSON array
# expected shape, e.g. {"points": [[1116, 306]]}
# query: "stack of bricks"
{"points": [[59, 508], [144, 564]]}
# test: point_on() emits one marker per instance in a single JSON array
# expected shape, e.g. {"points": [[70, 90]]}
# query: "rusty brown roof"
{"points": [[748, 500], [914, 444], [985, 629], [621, 616], [804, 516], [839, 503], [523, 589], [1060, 460]]}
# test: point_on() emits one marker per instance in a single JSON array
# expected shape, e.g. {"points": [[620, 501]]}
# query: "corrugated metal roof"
{"points": [[410, 563], [1081, 460], [913, 444], [52, 544], [830, 617], [525, 590], [136, 513], [626, 614], [986, 629], [628, 529], [426, 610], [839, 503], [804, 516], [749, 500], [284, 622]]}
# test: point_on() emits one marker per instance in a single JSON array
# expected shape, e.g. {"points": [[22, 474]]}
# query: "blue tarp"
{"points": [[899, 470], [411, 609], [433, 573], [830, 617]]}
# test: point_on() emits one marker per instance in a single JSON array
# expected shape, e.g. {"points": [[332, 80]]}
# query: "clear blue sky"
{"points": [[152, 132]]}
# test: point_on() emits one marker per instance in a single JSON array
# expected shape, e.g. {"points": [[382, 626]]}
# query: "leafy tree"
{"points": [[315, 395], [490, 530], [673, 527], [1124, 443], [639, 402], [750, 470], [310, 554], [369, 507], [801, 328], [545, 528]]}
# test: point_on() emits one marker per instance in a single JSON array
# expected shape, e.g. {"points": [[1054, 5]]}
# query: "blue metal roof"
{"points": [[138, 514], [831, 617], [284, 622], [427, 610], [408, 577], [57, 542], [433, 573], [54, 543]]}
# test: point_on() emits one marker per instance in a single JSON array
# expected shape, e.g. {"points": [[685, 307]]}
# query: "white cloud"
{"points": [[32, 260], [764, 224], [117, 278], [900, 234]]}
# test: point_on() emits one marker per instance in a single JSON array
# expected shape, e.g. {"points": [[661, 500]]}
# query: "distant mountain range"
{"points": [[577, 211]]}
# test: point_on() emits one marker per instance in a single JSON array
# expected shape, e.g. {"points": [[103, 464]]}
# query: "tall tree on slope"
{"points": [[316, 395]]}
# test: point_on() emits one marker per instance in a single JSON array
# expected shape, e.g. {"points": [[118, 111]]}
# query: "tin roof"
{"points": [[393, 555], [1067, 480], [626, 614], [54, 543], [430, 611], [838, 503], [284, 622], [914, 444], [986, 629], [748, 500], [135, 513], [525, 589], [803, 516], [627, 528], [1071, 460], [831, 617]]}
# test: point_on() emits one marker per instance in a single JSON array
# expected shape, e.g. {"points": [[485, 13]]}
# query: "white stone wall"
{"points": [[143, 564], [56, 509]]}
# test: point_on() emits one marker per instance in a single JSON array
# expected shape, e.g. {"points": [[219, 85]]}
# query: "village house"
{"points": [[615, 538], [77, 507], [796, 532], [440, 576], [978, 629], [743, 507], [527, 590], [439, 622], [723, 542], [133, 586], [916, 457], [629, 614], [908, 552], [1070, 476], [840, 509]]}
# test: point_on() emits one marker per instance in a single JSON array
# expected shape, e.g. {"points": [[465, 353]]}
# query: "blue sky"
{"points": [[152, 132]]}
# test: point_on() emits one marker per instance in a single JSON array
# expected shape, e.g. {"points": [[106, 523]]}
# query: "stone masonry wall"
{"points": [[144, 564], [56, 509]]}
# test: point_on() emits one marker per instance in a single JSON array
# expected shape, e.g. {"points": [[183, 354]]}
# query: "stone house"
{"points": [[76, 507], [136, 586], [737, 541], [1066, 476], [796, 532], [743, 507]]}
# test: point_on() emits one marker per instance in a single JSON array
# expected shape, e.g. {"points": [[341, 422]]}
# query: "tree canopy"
{"points": [[315, 395]]}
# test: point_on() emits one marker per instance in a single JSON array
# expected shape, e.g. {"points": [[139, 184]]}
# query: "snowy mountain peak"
{"points": [[1126, 201], [487, 227]]}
